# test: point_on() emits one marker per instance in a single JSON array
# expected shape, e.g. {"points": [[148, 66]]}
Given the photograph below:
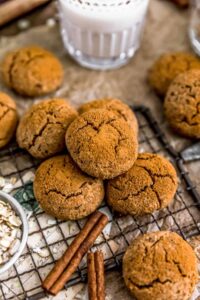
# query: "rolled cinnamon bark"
{"points": [[92, 278], [99, 266], [84, 247], [15, 8], [96, 281], [63, 262]]}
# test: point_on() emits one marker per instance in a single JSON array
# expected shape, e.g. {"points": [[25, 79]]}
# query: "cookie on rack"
{"points": [[182, 104], [115, 105], [148, 186], [32, 71], [8, 119], [64, 191], [102, 143], [42, 129], [168, 66], [159, 266]]}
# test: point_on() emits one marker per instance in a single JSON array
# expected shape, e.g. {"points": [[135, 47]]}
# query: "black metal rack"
{"points": [[20, 284]]}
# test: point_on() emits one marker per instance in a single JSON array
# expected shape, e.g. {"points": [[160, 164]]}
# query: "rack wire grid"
{"points": [[23, 281]]}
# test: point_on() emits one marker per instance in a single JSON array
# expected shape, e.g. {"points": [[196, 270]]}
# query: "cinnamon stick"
{"points": [[96, 281], [92, 280], [63, 262], [16, 8], [99, 264], [85, 246]]}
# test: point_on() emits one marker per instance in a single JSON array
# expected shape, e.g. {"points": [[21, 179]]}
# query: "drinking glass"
{"points": [[194, 28], [102, 34]]}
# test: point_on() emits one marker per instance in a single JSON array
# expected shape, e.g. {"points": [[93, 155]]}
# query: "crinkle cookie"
{"points": [[42, 129], [64, 191], [160, 266], [32, 71], [182, 104], [114, 105], [8, 119], [102, 144], [148, 186], [168, 66]]}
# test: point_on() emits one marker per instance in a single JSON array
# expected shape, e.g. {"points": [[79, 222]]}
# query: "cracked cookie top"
{"points": [[64, 191], [8, 119], [42, 129], [102, 144], [148, 186], [115, 105], [168, 66], [160, 266], [182, 104], [32, 71]]}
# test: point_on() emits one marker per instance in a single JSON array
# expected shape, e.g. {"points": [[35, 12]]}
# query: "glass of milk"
{"points": [[102, 34], [194, 29]]}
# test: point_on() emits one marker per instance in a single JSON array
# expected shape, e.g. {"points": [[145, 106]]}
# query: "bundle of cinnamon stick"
{"points": [[68, 263]]}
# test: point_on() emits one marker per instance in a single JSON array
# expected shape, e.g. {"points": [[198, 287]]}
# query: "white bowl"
{"points": [[21, 213]]}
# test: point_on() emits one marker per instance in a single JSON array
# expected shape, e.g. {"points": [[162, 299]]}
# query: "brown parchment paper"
{"points": [[166, 30]]}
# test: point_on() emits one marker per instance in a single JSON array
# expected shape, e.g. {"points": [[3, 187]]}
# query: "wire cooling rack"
{"points": [[52, 237]]}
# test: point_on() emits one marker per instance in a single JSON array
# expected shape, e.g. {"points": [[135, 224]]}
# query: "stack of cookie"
{"points": [[176, 76], [101, 142], [101, 139], [102, 158]]}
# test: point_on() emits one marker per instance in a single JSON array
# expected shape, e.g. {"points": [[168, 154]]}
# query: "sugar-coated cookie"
{"points": [[42, 129], [160, 266], [148, 186], [32, 71], [168, 66], [182, 104], [64, 191], [115, 105], [102, 144], [8, 119]]}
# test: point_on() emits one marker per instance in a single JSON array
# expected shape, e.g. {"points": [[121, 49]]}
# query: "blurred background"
{"points": [[20, 15]]}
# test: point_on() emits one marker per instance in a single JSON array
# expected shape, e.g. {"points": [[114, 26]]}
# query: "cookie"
{"points": [[168, 66], [102, 144], [148, 186], [32, 71], [8, 119], [64, 191], [160, 266], [182, 104], [115, 105], [42, 129]]}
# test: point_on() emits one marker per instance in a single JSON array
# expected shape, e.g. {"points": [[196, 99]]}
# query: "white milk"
{"points": [[102, 34]]}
